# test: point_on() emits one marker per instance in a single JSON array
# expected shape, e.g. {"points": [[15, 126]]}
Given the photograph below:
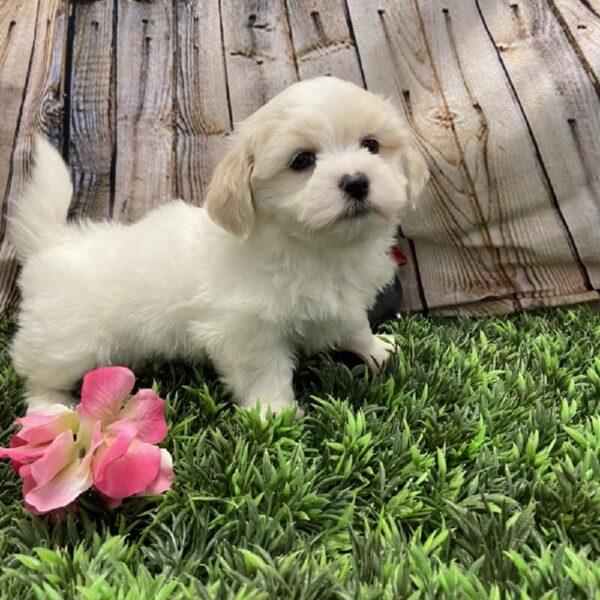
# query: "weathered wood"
{"points": [[581, 24], [562, 108], [258, 53], [144, 111], [9, 293], [503, 98], [202, 104], [486, 226], [43, 104], [41, 111], [485, 308], [17, 30], [322, 41], [92, 99]]}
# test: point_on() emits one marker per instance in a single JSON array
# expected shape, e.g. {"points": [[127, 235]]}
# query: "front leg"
{"points": [[257, 370], [373, 349]]}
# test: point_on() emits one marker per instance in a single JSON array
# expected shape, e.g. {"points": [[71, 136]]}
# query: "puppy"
{"points": [[286, 255]]}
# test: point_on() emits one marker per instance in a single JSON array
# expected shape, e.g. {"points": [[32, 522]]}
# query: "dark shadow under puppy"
{"points": [[386, 308]]}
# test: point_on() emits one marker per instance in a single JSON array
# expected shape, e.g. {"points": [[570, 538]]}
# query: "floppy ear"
{"points": [[417, 173], [229, 195]]}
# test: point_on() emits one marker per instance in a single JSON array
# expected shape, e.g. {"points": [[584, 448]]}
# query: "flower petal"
{"points": [[39, 427], [15, 442], [117, 439], [164, 479], [61, 490], [147, 410], [95, 442], [21, 453], [28, 485], [132, 473], [59, 454], [103, 392]]}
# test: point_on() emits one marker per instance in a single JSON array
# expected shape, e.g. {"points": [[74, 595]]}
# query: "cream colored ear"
{"points": [[416, 171], [229, 195]]}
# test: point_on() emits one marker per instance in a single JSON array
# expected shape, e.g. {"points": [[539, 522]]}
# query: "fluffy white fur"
{"points": [[270, 267]]}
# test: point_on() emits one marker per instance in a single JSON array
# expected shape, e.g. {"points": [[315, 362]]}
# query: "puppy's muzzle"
{"points": [[356, 186]]}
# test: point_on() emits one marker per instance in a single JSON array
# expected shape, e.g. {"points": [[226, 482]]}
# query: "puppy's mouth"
{"points": [[356, 210]]}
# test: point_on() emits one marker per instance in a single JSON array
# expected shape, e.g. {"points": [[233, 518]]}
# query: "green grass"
{"points": [[469, 469]]}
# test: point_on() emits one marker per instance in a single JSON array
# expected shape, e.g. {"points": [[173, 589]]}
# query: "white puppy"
{"points": [[286, 255]]}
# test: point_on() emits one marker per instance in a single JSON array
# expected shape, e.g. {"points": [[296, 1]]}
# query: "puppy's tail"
{"points": [[38, 215]]}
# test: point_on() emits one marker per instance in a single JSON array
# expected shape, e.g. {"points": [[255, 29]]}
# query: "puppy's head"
{"points": [[323, 158]]}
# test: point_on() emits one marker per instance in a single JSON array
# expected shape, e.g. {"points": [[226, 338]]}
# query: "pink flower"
{"points": [[106, 443], [127, 463], [62, 473]]}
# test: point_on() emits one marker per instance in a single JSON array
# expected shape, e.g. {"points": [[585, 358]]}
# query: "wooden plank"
{"points": [[506, 306], [322, 41], [42, 111], [43, 105], [562, 107], [9, 293], [486, 226], [144, 109], [17, 31], [581, 24], [202, 104], [92, 131], [258, 53]]}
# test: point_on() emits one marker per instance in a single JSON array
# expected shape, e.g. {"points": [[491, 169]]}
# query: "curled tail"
{"points": [[38, 215]]}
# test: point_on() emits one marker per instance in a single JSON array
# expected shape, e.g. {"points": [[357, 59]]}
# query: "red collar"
{"points": [[398, 256]]}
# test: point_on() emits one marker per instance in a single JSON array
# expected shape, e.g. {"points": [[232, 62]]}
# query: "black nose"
{"points": [[356, 186]]}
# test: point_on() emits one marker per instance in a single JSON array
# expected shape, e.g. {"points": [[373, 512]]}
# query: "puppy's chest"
{"points": [[303, 300], [314, 320]]}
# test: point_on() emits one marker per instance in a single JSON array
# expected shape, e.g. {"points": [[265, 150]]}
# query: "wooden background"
{"points": [[503, 98]]}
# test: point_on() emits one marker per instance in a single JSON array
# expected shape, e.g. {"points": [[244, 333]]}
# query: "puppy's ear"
{"points": [[417, 173], [229, 195]]}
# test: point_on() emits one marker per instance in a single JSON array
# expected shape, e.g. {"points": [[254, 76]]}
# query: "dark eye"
{"points": [[371, 145], [303, 161]]}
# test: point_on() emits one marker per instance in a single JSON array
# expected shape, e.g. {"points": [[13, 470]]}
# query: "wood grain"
{"points": [[144, 110], [92, 99], [17, 31], [202, 103], [322, 41], [41, 111], [507, 306], [581, 25], [258, 53], [9, 293], [562, 108], [502, 96], [486, 226]]}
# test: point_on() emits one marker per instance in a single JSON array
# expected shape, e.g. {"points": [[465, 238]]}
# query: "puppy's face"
{"points": [[324, 158]]}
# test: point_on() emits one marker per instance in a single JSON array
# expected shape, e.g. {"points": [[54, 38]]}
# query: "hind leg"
{"points": [[39, 397], [51, 375], [44, 388]]}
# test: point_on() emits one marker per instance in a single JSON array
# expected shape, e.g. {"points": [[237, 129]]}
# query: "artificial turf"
{"points": [[468, 469]]}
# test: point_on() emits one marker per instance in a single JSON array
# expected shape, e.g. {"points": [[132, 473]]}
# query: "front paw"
{"points": [[382, 347], [272, 403], [274, 408]]}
